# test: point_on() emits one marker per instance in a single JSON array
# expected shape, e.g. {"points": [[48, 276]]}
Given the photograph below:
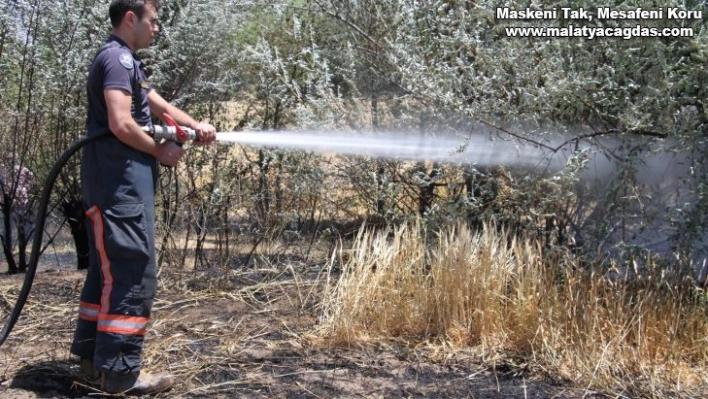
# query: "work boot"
{"points": [[87, 369], [136, 383]]}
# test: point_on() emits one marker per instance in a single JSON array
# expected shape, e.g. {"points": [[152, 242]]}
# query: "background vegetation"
{"points": [[613, 263]]}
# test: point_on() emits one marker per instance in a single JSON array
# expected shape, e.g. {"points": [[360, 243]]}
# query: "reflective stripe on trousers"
{"points": [[120, 284]]}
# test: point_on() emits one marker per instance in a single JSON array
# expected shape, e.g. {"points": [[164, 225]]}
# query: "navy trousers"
{"points": [[116, 300]]}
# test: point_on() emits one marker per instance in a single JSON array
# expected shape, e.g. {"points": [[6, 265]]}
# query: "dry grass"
{"points": [[641, 337]]}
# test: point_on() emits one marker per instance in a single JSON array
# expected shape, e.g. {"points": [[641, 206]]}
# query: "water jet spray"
{"points": [[476, 148]]}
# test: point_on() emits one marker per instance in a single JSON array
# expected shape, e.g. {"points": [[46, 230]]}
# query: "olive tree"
{"points": [[629, 104]]}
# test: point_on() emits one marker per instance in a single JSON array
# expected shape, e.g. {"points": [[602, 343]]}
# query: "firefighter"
{"points": [[118, 186]]}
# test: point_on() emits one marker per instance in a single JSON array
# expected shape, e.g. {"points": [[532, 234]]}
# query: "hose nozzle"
{"points": [[179, 134], [173, 131]]}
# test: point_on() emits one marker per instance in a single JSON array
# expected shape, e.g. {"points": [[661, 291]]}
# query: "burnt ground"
{"points": [[250, 334]]}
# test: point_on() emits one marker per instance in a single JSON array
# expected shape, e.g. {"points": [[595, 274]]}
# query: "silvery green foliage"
{"points": [[634, 102], [45, 48], [193, 57], [48, 47], [642, 103], [626, 99], [71, 35], [316, 69], [288, 66], [421, 66], [50, 43]]}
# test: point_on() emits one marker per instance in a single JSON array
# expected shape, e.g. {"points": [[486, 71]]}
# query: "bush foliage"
{"points": [[422, 66]]}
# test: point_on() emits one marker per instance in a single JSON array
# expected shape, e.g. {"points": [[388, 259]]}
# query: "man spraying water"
{"points": [[118, 177]]}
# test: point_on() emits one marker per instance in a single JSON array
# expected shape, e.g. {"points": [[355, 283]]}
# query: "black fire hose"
{"points": [[173, 132], [39, 229]]}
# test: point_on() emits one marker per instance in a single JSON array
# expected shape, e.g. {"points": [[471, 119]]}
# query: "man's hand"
{"points": [[169, 153], [206, 133]]}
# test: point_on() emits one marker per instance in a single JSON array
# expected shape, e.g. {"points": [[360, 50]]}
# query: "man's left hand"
{"points": [[206, 133]]}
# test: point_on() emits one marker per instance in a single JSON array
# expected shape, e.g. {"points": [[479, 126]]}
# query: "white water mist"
{"points": [[478, 149]]}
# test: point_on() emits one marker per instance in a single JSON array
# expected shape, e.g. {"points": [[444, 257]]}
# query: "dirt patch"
{"points": [[248, 334]]}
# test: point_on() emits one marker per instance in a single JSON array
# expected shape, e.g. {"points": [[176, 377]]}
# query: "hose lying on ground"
{"points": [[39, 228]]}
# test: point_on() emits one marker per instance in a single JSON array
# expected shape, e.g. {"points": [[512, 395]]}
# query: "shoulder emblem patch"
{"points": [[126, 60]]}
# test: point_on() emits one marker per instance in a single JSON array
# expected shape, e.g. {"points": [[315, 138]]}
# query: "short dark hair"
{"points": [[119, 8]]}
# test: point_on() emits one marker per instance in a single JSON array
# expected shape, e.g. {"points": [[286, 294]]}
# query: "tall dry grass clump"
{"points": [[645, 335]]}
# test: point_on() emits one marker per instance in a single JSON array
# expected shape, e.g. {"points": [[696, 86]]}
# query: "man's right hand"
{"points": [[169, 153]]}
